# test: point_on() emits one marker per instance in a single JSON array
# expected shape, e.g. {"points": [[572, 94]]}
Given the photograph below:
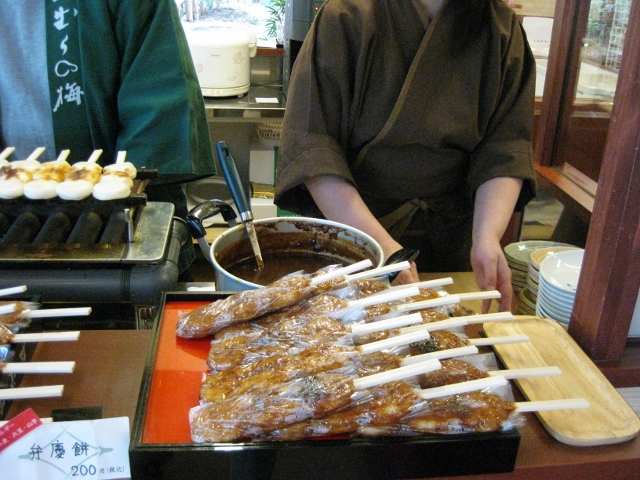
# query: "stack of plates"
{"points": [[558, 282], [518, 256]]}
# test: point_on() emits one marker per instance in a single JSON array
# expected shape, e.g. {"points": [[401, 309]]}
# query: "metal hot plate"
{"points": [[148, 224]]}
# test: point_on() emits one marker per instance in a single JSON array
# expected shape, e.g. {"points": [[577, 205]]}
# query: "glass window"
{"points": [[265, 17]]}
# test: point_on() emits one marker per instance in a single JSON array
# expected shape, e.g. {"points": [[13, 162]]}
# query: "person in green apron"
{"points": [[105, 74], [412, 121]]}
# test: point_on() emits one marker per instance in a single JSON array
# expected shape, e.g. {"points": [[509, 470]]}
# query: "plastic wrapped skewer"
{"points": [[283, 367], [250, 304], [283, 404], [290, 338]]}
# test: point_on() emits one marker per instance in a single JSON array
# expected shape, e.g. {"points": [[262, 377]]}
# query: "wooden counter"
{"points": [[110, 364], [108, 373]]}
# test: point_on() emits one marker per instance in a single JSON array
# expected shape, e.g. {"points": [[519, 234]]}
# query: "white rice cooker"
{"points": [[221, 53]]}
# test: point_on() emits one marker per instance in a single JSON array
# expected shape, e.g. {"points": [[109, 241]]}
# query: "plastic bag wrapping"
{"points": [[439, 340], [16, 320], [239, 379], [386, 405], [361, 288], [266, 408], [243, 306], [5, 334], [471, 412]]}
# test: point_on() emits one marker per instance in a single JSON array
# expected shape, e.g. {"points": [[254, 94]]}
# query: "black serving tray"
{"points": [[154, 457]]}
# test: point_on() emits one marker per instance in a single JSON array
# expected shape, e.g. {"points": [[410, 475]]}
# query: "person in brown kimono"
{"points": [[412, 121]]}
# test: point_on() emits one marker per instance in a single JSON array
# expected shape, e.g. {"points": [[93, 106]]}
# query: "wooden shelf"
{"points": [[567, 190]]}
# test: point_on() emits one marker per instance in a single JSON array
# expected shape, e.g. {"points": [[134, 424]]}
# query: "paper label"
{"points": [[88, 449], [18, 427]]}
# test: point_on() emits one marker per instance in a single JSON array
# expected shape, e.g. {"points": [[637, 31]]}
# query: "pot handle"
{"points": [[205, 210]]}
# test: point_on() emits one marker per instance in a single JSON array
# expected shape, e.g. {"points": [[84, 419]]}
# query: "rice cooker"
{"points": [[221, 53]]}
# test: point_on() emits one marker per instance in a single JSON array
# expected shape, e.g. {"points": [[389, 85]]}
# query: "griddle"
{"points": [[91, 251]]}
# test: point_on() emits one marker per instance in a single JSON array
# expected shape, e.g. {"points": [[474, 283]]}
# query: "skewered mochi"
{"points": [[79, 181], [116, 181], [243, 306], [463, 413], [237, 418], [45, 180], [14, 175], [390, 402], [118, 169], [239, 379]]}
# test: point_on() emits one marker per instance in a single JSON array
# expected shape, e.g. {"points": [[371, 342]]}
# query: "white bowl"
{"points": [[562, 270]]}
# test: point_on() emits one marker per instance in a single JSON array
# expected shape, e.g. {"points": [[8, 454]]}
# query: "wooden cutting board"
{"points": [[608, 420]]}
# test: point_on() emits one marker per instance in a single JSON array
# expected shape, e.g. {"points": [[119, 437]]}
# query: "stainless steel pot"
{"points": [[354, 244]]}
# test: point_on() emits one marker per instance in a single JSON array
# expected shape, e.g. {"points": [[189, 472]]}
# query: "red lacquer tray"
{"points": [[161, 445]]}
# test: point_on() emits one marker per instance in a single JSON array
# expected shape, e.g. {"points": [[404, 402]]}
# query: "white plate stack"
{"points": [[525, 287], [558, 282]]}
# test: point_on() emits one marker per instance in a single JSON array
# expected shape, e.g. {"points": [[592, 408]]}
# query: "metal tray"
{"points": [[161, 446]]}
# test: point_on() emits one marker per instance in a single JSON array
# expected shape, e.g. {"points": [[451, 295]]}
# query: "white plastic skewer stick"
{"points": [[38, 367], [384, 297], [486, 295], [388, 324], [43, 420], [396, 341], [395, 374], [434, 302], [355, 267], [354, 307], [561, 404], [64, 154], [36, 153], [438, 282], [31, 392], [440, 354], [95, 155], [481, 342], [528, 372], [12, 290], [6, 152], [448, 300], [338, 272], [461, 321], [57, 312], [45, 337], [121, 157], [7, 308], [470, 349], [395, 267], [462, 387]]}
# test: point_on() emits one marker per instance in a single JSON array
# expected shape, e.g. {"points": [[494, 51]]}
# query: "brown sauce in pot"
{"points": [[308, 250], [279, 264]]}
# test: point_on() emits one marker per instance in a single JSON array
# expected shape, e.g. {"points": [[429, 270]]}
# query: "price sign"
{"points": [[87, 450]]}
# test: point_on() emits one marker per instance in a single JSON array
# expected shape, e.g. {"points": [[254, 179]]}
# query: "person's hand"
{"points": [[492, 272], [407, 276]]}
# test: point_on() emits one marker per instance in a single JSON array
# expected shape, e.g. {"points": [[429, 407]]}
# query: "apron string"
{"points": [[397, 222]]}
